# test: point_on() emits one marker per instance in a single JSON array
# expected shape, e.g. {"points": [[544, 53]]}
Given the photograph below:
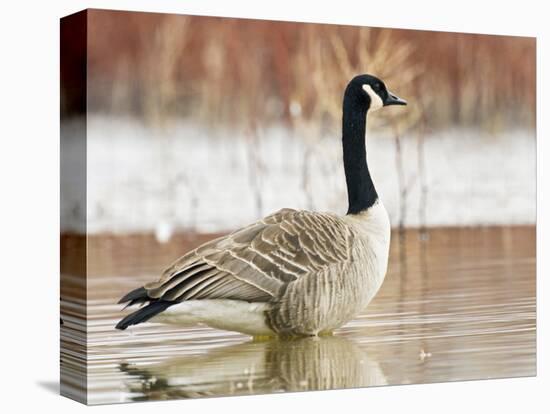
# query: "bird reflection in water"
{"points": [[257, 367]]}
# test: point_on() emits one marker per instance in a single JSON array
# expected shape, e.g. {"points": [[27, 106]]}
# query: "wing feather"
{"points": [[257, 262]]}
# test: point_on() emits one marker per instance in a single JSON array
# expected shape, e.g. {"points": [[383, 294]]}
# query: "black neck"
{"points": [[361, 191]]}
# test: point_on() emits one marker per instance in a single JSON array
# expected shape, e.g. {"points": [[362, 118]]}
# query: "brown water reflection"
{"points": [[459, 305]]}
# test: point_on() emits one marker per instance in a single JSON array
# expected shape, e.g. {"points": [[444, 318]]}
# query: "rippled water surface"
{"points": [[457, 304]]}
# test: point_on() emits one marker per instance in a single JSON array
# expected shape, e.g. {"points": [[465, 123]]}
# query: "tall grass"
{"points": [[161, 67]]}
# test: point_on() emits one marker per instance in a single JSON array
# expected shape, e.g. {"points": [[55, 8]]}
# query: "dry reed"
{"points": [[216, 70]]}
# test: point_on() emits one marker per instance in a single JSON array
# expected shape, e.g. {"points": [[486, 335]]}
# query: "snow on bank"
{"points": [[141, 179]]}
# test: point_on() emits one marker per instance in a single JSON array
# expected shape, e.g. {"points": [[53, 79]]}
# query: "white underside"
{"points": [[233, 315], [374, 225]]}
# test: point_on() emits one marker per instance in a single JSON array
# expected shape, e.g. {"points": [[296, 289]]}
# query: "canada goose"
{"points": [[293, 272]]}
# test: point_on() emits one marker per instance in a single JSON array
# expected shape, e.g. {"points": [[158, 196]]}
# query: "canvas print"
{"points": [[253, 206]]}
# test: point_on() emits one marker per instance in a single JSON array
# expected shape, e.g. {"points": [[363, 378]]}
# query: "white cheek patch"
{"points": [[375, 100]]}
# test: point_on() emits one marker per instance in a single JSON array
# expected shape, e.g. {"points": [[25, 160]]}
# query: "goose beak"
{"points": [[394, 100]]}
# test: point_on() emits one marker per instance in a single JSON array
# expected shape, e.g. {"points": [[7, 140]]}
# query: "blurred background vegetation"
{"points": [[159, 67], [162, 89]]}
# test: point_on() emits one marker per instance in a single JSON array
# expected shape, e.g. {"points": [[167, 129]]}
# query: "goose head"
{"points": [[371, 93]]}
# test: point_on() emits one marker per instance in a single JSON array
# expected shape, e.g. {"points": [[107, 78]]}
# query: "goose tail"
{"points": [[143, 314], [135, 296]]}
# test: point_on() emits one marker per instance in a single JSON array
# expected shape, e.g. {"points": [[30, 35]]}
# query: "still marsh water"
{"points": [[458, 304]]}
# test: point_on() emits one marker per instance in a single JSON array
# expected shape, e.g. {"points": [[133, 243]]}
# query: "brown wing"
{"points": [[256, 262]]}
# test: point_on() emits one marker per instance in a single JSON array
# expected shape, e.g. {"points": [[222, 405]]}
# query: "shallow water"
{"points": [[457, 304]]}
